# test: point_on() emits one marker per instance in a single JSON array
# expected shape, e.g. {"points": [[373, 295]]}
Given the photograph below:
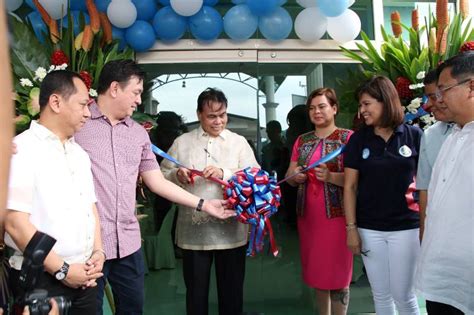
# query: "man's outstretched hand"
{"points": [[217, 209]]}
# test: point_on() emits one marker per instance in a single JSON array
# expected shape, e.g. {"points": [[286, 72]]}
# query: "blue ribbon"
{"points": [[322, 160], [165, 155]]}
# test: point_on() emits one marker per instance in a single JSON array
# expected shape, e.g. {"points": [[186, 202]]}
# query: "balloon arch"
{"points": [[139, 23]]}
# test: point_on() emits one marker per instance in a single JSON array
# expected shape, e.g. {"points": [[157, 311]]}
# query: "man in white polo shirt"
{"points": [[51, 190]]}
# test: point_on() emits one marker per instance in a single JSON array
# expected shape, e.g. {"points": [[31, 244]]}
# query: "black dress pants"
{"points": [[436, 308], [230, 272]]}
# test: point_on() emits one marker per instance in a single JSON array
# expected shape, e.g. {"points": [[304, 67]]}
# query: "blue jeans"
{"points": [[126, 276]]}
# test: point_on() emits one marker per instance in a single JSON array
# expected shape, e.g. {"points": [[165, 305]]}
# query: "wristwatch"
{"points": [[62, 272], [199, 206]]}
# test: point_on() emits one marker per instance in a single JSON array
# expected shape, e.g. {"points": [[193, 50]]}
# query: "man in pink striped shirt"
{"points": [[120, 151]]}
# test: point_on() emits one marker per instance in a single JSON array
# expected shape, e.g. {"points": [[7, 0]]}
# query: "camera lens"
{"points": [[63, 304]]}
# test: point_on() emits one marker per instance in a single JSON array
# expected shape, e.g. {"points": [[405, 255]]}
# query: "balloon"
{"points": [[240, 23], [146, 9], [169, 25], [78, 5], [102, 5], [30, 4], [239, 1], [122, 13], [307, 3], [206, 24], [261, 8], [310, 24], [38, 25], [119, 34], [351, 2], [333, 8], [186, 7], [164, 2], [210, 2], [344, 27], [57, 9], [140, 36], [75, 21], [277, 25], [281, 2], [12, 5]]}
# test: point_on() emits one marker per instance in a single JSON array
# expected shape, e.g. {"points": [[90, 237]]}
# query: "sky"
{"points": [[242, 99]]}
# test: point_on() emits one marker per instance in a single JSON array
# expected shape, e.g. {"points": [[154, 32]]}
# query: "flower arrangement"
{"points": [[406, 62], [84, 53]]}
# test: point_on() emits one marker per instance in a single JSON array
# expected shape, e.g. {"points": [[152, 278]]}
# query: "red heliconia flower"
{"points": [[58, 58], [87, 78], [403, 88], [467, 46], [147, 125]]}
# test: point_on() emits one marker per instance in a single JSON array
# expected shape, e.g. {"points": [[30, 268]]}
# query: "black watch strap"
{"points": [[62, 272], [199, 206]]}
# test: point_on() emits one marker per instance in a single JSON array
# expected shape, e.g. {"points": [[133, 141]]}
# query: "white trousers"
{"points": [[390, 264]]}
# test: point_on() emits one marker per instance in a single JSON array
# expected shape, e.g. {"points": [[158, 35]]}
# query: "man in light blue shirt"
{"points": [[431, 142]]}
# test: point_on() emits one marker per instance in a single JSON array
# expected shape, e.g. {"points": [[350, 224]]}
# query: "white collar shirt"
{"points": [[445, 269], [53, 182]]}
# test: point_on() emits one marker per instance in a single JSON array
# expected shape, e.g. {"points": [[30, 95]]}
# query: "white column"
{"points": [[315, 79], [270, 105]]}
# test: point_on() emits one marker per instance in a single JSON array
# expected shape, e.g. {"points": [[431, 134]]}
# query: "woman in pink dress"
{"points": [[325, 259]]}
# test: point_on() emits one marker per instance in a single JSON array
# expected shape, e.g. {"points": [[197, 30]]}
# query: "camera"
{"points": [[38, 299]]}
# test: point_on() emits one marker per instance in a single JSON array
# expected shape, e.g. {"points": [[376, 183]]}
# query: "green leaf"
{"points": [[27, 53]]}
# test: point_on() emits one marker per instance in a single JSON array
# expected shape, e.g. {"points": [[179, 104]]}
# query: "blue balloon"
{"points": [[78, 5], [207, 24], [277, 25], [140, 36], [119, 34], [164, 2], [240, 23], [210, 2], [238, 1], [75, 20], [30, 4], [102, 5], [38, 25], [169, 25], [262, 7], [281, 2], [332, 8], [146, 9]]}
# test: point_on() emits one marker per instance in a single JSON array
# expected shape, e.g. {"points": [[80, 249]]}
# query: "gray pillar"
{"points": [[315, 79], [270, 105]]}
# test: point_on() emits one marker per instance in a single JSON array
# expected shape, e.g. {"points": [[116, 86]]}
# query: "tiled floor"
{"points": [[272, 285]]}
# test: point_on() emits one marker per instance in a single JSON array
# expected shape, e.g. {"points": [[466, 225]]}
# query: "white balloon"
{"points": [[12, 5], [345, 27], [122, 14], [186, 7], [57, 9], [351, 2], [307, 3], [310, 24]]}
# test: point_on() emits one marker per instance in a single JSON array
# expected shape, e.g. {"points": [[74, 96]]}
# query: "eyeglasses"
{"points": [[365, 252], [440, 92]]}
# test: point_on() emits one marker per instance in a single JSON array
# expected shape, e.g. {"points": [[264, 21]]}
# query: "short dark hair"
{"points": [[431, 77], [274, 124], [60, 82], [383, 90], [121, 71], [462, 65], [211, 95], [328, 92]]}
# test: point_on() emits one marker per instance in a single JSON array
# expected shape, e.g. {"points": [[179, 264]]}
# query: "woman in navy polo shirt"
{"points": [[382, 218]]}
